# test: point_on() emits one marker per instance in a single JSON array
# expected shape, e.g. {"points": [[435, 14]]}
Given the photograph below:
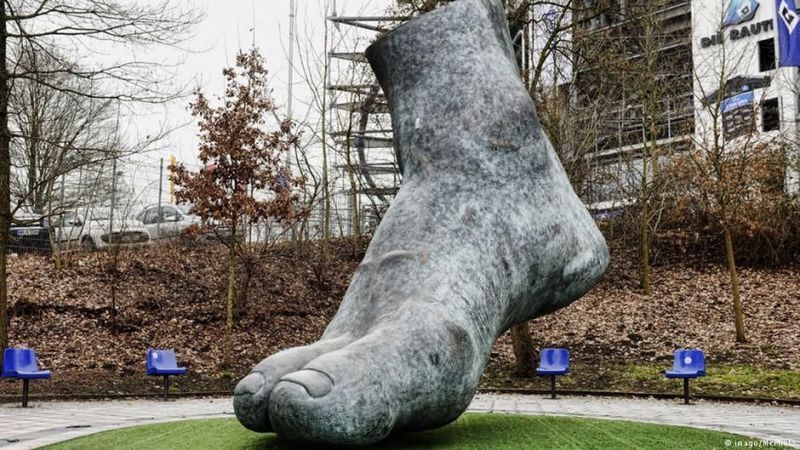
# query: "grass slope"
{"points": [[471, 431]]}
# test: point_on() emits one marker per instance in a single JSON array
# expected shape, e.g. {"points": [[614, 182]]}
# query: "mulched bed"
{"points": [[173, 297]]}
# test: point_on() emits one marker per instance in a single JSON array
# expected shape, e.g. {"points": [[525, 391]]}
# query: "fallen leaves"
{"points": [[173, 297]]}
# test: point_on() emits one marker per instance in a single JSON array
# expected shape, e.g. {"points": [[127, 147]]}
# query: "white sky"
{"points": [[228, 26], [226, 29]]}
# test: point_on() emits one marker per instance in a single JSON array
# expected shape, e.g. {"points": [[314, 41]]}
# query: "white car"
{"points": [[97, 232], [171, 223]]}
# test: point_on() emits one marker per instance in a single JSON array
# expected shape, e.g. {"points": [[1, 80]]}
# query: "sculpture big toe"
{"points": [[485, 233]]}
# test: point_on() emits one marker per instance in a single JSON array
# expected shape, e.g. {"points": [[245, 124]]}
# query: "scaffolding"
{"points": [[378, 179]]}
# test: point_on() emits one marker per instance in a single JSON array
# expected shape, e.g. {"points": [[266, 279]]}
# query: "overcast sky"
{"points": [[231, 25], [228, 26]]}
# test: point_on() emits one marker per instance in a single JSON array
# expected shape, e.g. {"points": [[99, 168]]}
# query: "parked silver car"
{"points": [[167, 222], [96, 230]]}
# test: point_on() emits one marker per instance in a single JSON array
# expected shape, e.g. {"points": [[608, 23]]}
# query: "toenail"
{"points": [[250, 384], [317, 384]]}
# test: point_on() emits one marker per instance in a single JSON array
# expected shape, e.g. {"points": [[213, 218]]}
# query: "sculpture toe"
{"points": [[338, 417], [408, 373], [316, 383], [249, 403], [252, 393], [249, 385]]}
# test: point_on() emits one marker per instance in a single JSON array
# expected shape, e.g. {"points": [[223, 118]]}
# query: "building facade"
{"points": [[740, 87], [719, 69], [641, 59]]}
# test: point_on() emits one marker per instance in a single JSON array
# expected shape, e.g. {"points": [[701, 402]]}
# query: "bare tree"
{"points": [[735, 182], [733, 171], [331, 114], [54, 132], [81, 30], [643, 67]]}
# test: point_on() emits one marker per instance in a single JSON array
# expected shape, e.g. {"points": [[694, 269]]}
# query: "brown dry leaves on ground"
{"points": [[173, 297], [690, 307]]}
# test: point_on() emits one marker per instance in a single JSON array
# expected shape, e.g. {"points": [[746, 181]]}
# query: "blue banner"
{"points": [[787, 20], [736, 102]]}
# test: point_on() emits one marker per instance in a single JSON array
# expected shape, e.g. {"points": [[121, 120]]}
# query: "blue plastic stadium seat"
{"points": [[20, 363], [553, 362], [163, 362], [687, 363]]}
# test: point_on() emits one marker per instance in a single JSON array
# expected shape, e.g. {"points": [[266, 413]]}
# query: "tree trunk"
{"points": [[645, 232], [5, 181], [228, 347], [33, 178], [243, 293], [738, 314], [356, 214], [326, 221], [645, 252], [523, 349], [114, 282]]}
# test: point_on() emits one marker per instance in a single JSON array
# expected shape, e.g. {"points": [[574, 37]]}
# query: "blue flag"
{"points": [[787, 21], [740, 11]]}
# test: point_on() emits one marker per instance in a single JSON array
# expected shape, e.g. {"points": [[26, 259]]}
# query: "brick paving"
{"points": [[49, 422], [45, 423]]}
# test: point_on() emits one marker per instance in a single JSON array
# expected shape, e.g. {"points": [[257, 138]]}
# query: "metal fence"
{"points": [[132, 203]]}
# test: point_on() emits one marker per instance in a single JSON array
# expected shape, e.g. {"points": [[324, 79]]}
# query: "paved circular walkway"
{"points": [[49, 422]]}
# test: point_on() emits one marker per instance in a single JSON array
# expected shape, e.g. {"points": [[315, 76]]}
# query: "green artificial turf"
{"points": [[471, 431]]}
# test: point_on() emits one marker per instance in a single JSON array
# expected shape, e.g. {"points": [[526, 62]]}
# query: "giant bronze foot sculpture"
{"points": [[485, 233]]}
